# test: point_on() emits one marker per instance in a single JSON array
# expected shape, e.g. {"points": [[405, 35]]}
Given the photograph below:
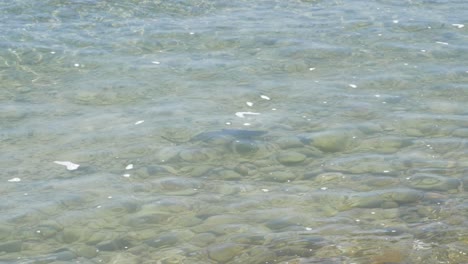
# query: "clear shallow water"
{"points": [[363, 160]]}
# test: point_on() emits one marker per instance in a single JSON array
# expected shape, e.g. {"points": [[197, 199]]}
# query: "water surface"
{"points": [[243, 132]]}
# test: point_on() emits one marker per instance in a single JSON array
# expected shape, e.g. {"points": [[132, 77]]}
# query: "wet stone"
{"points": [[59, 255], [280, 176], [290, 158], [70, 235], [300, 246], [331, 141], [179, 186], [48, 230], [461, 132], [86, 251], [228, 175], [244, 146], [195, 155], [433, 182], [147, 219], [198, 170], [5, 231], [385, 145], [280, 223], [163, 240], [168, 154], [289, 142], [245, 169], [365, 200], [365, 164], [249, 239], [203, 239], [124, 258], [403, 196], [259, 254], [114, 244], [224, 252], [11, 246]]}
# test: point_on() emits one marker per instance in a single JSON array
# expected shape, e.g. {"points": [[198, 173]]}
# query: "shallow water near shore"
{"points": [[244, 132]]}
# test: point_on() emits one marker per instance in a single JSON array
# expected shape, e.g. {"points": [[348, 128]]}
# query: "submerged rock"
{"points": [[228, 133], [433, 182], [331, 141], [11, 246], [224, 252], [290, 157], [244, 146]]}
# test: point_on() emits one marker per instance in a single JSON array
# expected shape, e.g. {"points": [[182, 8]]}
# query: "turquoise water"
{"points": [[233, 132]]}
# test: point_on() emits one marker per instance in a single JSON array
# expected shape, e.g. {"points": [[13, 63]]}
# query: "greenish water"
{"points": [[233, 132]]}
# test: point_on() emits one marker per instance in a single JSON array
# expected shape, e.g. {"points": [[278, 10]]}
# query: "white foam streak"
{"points": [[70, 165]]}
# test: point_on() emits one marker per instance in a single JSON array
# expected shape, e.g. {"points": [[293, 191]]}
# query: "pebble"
{"points": [[290, 158], [224, 252], [289, 142], [244, 146], [280, 176], [83, 250], [194, 155], [331, 141], [228, 175], [203, 239], [433, 182], [114, 244], [178, 186], [124, 258], [11, 246], [162, 240], [143, 219], [70, 235]]}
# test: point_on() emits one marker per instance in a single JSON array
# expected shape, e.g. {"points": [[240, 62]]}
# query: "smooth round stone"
{"points": [[403, 196], [124, 258], [260, 254], [433, 182], [228, 175], [147, 219], [179, 186], [86, 251], [114, 244], [364, 164], [171, 204], [367, 200], [245, 169], [280, 176], [203, 239], [11, 246], [49, 230], [249, 239], [331, 141], [243, 146], [167, 154], [198, 170], [289, 142], [218, 220], [5, 231], [290, 157], [163, 240], [187, 221], [70, 235], [194, 155], [461, 132], [385, 145], [330, 177], [224, 252], [280, 223]]}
